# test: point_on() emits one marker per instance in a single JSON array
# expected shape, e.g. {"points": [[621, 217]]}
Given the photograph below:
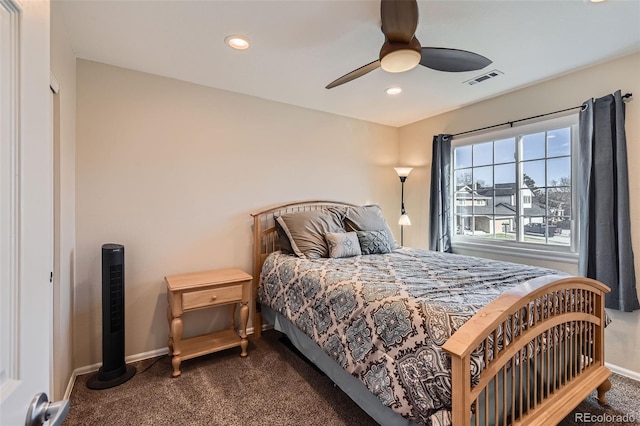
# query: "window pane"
{"points": [[559, 201], [535, 229], [463, 178], [504, 150], [505, 173], [559, 171], [462, 157], [483, 177], [464, 207], [482, 226], [483, 202], [533, 174], [463, 225], [562, 234], [504, 205], [505, 227], [483, 154], [534, 202], [533, 146], [559, 142]]}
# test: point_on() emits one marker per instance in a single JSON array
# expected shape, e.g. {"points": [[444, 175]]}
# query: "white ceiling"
{"points": [[299, 46]]}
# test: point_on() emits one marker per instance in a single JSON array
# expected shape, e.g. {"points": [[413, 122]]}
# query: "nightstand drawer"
{"points": [[211, 297]]}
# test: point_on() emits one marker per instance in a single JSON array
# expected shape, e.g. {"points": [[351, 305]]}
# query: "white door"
{"points": [[26, 248]]}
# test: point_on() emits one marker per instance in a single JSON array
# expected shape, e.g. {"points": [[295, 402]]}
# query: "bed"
{"points": [[418, 337]]}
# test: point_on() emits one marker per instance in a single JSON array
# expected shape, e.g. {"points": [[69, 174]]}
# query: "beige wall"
{"points": [[63, 66], [563, 92], [172, 170]]}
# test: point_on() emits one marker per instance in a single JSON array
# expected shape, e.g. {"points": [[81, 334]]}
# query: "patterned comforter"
{"points": [[384, 318]]}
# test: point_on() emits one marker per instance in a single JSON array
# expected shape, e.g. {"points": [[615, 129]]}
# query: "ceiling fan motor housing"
{"points": [[400, 57]]}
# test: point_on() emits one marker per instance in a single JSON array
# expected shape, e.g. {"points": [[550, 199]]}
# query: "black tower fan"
{"points": [[113, 371]]}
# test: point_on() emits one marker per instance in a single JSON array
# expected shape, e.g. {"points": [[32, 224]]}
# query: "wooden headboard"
{"points": [[265, 241]]}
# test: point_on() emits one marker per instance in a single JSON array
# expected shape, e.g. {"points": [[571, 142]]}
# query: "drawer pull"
{"points": [[214, 297]]}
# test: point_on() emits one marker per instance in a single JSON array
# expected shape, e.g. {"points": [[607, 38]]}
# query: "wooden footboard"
{"points": [[540, 348]]}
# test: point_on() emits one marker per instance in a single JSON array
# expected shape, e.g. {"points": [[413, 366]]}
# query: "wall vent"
{"points": [[483, 77]]}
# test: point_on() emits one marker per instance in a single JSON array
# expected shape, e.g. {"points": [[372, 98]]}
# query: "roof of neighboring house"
{"points": [[464, 195], [498, 190], [501, 209]]}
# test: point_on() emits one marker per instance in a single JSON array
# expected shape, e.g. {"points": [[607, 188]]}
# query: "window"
{"points": [[515, 187]]}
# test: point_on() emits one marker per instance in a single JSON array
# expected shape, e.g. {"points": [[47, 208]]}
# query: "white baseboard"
{"points": [[162, 351], [95, 367], [131, 358], [623, 371]]}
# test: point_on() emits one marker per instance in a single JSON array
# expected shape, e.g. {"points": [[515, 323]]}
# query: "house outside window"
{"points": [[515, 188]]}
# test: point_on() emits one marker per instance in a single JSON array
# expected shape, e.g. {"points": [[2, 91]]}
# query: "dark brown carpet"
{"points": [[272, 386]]}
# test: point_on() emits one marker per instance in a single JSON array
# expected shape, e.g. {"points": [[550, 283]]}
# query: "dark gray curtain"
{"points": [[440, 206], [606, 254]]}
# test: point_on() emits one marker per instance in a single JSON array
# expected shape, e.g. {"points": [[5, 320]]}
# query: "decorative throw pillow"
{"points": [[343, 244], [368, 218], [373, 242], [306, 230]]}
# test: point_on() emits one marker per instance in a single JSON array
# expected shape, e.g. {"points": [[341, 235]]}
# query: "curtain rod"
{"points": [[510, 123]]}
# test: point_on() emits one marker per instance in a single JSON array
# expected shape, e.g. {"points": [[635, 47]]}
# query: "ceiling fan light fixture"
{"points": [[237, 42], [400, 60]]}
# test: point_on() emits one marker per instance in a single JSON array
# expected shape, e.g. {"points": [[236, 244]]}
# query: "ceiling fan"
{"points": [[401, 50]]}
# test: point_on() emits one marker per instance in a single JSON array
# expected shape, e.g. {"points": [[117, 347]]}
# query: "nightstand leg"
{"points": [[233, 318], [170, 340], [176, 332], [244, 318]]}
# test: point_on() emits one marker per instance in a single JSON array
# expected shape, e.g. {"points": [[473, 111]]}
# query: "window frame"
{"points": [[553, 252]]}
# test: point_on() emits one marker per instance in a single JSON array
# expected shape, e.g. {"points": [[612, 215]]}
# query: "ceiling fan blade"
{"points": [[399, 19], [452, 60], [354, 74]]}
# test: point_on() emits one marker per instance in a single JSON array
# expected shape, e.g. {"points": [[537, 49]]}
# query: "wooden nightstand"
{"points": [[188, 292]]}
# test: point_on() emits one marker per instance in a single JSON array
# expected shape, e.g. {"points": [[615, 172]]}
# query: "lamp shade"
{"points": [[403, 171], [404, 220]]}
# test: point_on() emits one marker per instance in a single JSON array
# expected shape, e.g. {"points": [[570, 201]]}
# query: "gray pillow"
{"points": [[343, 244], [306, 231], [368, 218], [373, 242]]}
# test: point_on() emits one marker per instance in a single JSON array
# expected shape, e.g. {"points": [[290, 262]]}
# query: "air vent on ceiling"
{"points": [[483, 77]]}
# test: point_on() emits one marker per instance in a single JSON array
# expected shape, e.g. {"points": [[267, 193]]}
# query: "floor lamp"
{"points": [[404, 220]]}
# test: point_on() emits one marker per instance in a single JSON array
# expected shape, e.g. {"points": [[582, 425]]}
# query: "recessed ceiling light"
{"points": [[393, 90], [237, 42], [598, 1]]}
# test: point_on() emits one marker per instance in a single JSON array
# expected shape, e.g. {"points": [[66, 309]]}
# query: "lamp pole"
{"points": [[402, 210], [403, 172]]}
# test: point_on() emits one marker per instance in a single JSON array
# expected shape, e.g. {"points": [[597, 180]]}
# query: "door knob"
{"points": [[41, 410]]}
